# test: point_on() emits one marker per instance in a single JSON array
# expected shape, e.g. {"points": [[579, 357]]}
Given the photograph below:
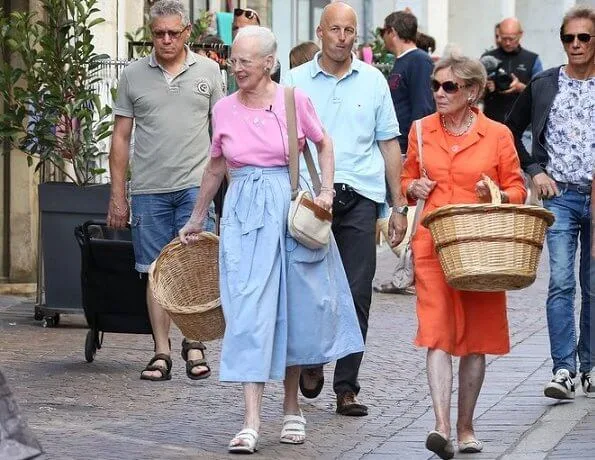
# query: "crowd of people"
{"points": [[418, 136]]}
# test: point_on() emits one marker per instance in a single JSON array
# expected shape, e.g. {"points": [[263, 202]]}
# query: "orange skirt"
{"points": [[457, 322]]}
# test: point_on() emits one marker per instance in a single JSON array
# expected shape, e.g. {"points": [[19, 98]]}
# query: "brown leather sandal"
{"points": [[191, 364], [165, 371]]}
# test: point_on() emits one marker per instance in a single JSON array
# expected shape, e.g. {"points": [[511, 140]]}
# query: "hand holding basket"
{"points": [[489, 247]]}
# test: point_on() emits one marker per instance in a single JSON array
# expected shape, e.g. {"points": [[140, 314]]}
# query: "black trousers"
{"points": [[355, 233]]}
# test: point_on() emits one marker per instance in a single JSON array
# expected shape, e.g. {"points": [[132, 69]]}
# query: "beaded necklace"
{"points": [[469, 121]]}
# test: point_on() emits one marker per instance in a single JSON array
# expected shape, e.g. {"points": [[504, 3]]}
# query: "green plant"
{"points": [[50, 109], [382, 58], [200, 27], [141, 34]]}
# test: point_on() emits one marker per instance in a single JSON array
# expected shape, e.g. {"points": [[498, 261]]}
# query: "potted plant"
{"points": [[52, 113]]}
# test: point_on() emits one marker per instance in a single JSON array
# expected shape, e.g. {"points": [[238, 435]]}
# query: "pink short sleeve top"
{"points": [[258, 137]]}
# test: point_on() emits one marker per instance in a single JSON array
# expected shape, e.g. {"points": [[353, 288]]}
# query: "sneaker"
{"points": [[561, 386], [588, 384]]}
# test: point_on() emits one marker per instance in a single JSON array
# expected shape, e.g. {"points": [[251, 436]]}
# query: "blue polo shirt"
{"points": [[357, 111]]}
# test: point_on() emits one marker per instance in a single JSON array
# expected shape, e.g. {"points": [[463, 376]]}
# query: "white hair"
{"points": [[169, 8], [266, 39], [452, 50]]}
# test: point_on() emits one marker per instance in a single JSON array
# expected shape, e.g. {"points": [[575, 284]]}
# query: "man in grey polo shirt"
{"points": [[168, 96]]}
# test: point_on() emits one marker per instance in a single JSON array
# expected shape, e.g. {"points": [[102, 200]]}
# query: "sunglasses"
{"points": [[449, 87], [174, 34], [248, 14], [569, 38]]}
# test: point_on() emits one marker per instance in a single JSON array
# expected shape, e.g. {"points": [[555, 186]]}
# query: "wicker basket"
{"points": [[489, 247], [185, 281]]}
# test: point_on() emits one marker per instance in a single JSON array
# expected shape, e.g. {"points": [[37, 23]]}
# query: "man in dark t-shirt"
{"points": [[409, 80], [409, 83]]}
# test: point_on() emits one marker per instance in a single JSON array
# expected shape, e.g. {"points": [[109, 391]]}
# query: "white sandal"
{"points": [[249, 442], [293, 425]]}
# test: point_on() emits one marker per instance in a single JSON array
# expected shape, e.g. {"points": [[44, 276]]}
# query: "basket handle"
{"points": [[494, 189], [172, 245]]}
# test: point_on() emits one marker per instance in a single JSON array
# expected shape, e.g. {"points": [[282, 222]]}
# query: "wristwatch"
{"points": [[403, 210]]}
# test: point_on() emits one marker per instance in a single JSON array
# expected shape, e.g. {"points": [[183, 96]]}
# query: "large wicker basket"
{"points": [[489, 247], [185, 281]]}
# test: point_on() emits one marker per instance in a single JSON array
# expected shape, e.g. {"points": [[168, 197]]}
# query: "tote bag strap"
{"points": [[422, 173], [294, 159]]}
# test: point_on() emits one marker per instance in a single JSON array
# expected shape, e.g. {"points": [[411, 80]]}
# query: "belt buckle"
{"points": [[584, 189]]}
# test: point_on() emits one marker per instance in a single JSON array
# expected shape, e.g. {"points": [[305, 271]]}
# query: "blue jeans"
{"points": [[156, 219], [573, 215]]}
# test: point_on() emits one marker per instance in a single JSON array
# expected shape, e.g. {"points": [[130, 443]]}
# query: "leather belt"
{"points": [[584, 189]]}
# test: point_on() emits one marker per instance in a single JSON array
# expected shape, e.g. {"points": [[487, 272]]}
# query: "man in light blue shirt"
{"points": [[354, 104]]}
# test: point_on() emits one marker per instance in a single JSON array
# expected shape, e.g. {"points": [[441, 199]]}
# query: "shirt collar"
{"points": [[190, 58], [406, 52], [315, 68]]}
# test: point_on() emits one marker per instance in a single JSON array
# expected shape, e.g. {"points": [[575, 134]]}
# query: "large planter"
{"points": [[62, 207]]}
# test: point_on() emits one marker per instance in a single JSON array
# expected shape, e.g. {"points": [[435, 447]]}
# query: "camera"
{"points": [[496, 72]]}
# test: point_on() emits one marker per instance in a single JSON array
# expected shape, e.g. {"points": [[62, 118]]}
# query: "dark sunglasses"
{"points": [[569, 38], [174, 34], [449, 87], [248, 14]]}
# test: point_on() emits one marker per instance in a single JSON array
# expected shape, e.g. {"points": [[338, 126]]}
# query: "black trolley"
{"points": [[114, 293]]}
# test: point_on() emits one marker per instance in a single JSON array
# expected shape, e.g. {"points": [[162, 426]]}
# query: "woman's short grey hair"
{"points": [[169, 8], [470, 71], [266, 39]]}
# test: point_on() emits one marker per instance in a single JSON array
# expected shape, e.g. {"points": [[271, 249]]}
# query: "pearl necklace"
{"points": [[469, 121]]}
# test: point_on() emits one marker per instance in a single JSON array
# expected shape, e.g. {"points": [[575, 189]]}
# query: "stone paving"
{"points": [[101, 410]]}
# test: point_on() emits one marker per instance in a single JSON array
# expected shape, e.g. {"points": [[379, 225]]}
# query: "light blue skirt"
{"points": [[284, 304]]}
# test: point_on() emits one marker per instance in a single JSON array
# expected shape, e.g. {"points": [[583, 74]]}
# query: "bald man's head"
{"points": [[337, 32], [511, 32], [337, 8]]}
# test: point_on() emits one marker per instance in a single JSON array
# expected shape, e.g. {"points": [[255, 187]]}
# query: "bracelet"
{"points": [[118, 208], [328, 189]]}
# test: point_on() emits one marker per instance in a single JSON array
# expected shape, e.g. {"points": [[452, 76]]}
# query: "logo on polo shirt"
{"points": [[394, 80], [201, 86]]}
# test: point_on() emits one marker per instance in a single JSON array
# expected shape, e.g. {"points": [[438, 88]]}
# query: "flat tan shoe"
{"points": [[472, 446]]}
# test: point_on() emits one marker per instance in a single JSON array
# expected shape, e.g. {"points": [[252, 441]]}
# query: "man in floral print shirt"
{"points": [[559, 104]]}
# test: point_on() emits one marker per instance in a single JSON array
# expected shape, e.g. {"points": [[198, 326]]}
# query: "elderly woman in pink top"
{"points": [[285, 305]]}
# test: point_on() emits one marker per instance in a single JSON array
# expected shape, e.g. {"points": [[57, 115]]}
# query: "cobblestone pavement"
{"points": [[101, 410]]}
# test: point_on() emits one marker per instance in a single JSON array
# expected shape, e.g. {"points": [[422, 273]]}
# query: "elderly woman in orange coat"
{"points": [[460, 145]]}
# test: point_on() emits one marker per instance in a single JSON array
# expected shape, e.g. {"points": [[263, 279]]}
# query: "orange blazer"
{"points": [[488, 148]]}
